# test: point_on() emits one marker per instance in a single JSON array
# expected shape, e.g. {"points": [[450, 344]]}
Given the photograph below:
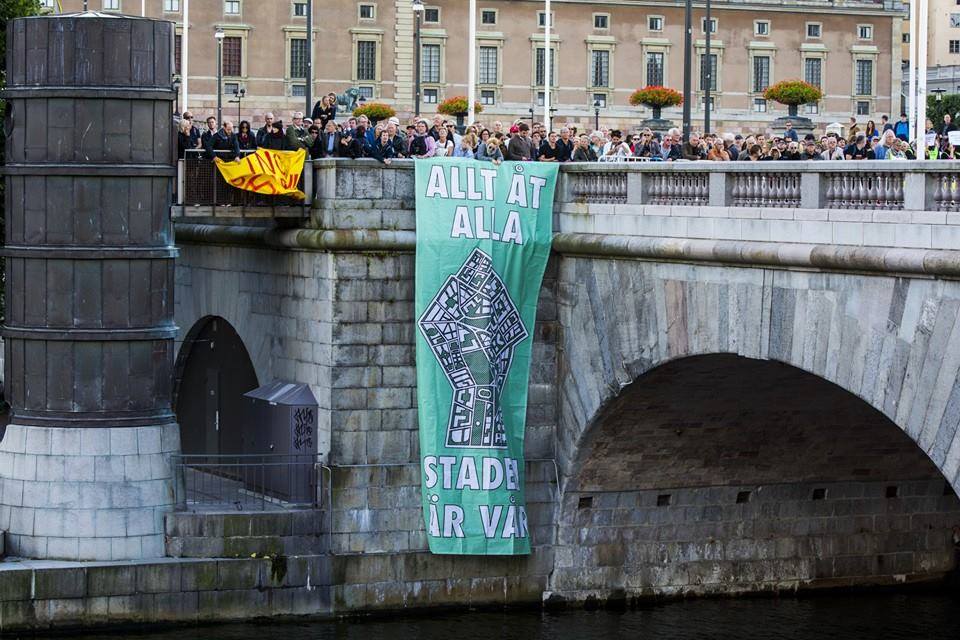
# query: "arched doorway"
{"points": [[723, 474], [213, 372]]}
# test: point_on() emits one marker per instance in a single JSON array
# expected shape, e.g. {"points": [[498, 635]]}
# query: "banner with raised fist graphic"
{"points": [[483, 239]]}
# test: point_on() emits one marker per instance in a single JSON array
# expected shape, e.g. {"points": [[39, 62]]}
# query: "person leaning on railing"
{"points": [[224, 141]]}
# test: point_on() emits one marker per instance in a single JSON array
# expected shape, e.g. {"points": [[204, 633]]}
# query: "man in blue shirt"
{"points": [[789, 133]]}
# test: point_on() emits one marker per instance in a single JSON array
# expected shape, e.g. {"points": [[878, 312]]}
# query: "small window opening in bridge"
{"points": [[947, 489], [743, 497], [893, 491], [820, 493], [663, 500], [585, 502]]}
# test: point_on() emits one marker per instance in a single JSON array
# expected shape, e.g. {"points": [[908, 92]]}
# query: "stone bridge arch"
{"points": [[893, 342], [670, 377]]}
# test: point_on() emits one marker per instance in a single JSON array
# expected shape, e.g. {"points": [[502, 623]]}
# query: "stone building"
{"points": [[603, 50]]}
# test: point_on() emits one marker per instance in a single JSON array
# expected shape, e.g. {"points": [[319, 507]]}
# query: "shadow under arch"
{"points": [[723, 474], [212, 372]]}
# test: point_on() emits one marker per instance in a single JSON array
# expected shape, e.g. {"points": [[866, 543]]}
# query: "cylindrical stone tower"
{"points": [[85, 464]]}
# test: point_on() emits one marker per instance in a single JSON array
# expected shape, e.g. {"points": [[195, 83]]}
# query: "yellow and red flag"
{"points": [[266, 171]]}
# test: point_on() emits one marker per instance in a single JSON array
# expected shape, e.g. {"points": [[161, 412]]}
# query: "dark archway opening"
{"points": [[213, 372], [722, 474]]}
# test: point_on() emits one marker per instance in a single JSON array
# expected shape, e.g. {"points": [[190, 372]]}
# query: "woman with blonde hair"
{"points": [[465, 149]]}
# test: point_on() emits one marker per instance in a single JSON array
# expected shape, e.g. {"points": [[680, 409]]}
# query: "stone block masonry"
{"points": [[86, 494]]}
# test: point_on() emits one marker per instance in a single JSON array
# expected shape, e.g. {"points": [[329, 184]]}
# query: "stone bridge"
{"points": [[746, 374]]}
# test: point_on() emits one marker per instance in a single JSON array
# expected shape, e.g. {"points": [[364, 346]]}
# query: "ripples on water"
{"points": [[887, 617]]}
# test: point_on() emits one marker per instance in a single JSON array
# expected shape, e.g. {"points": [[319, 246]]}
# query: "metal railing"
{"points": [[246, 482], [200, 184]]}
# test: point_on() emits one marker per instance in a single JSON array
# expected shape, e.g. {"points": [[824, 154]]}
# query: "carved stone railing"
{"points": [[776, 189], [605, 188], [855, 185], [858, 185]]}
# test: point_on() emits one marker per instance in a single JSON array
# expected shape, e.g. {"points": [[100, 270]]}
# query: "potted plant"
{"points": [[656, 98], [793, 93], [375, 111], [457, 106]]}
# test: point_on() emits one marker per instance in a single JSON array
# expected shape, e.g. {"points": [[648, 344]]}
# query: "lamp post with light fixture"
{"points": [[596, 115], [219, 35], [418, 10]]}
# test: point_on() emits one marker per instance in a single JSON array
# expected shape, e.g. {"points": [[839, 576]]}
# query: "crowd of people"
{"points": [[322, 136]]}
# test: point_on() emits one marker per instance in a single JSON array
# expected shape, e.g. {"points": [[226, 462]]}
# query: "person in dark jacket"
{"points": [[275, 139], [350, 146], [223, 141], [246, 139], [383, 148], [311, 142], [265, 130], [328, 145], [194, 132], [325, 110], [208, 132], [582, 151], [185, 140]]}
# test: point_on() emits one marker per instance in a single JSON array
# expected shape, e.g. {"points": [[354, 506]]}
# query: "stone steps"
{"points": [[241, 535]]}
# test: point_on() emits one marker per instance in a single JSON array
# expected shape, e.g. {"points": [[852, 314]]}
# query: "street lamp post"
{"points": [[239, 95], [418, 10], [687, 50], [218, 34], [708, 73], [309, 92], [596, 115]]}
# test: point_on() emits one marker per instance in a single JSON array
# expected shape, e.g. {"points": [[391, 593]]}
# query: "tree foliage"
{"points": [[948, 103]]}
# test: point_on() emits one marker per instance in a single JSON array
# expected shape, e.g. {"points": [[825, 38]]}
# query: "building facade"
{"points": [[602, 51]]}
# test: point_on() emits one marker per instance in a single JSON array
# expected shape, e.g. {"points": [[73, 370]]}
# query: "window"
{"points": [[759, 105], [813, 29], [712, 102], [488, 16], [177, 53], [655, 69], [488, 97], [366, 60], [430, 96], [539, 66], [47, 4], [542, 19], [601, 21], [488, 66], [298, 90], [761, 75], [539, 98], [431, 15], [298, 58], [955, 19], [232, 51], [600, 68], [864, 79], [655, 23], [365, 92], [955, 46], [905, 37], [761, 28], [813, 71], [865, 31], [171, 6], [368, 11], [713, 25], [231, 7], [811, 108], [430, 63], [300, 9], [863, 108], [111, 5], [711, 69], [231, 88], [599, 100]]}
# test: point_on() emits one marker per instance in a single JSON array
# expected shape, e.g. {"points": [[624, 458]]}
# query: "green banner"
{"points": [[483, 239]]}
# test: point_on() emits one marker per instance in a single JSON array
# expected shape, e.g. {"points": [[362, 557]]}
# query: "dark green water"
{"points": [[884, 616]]}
